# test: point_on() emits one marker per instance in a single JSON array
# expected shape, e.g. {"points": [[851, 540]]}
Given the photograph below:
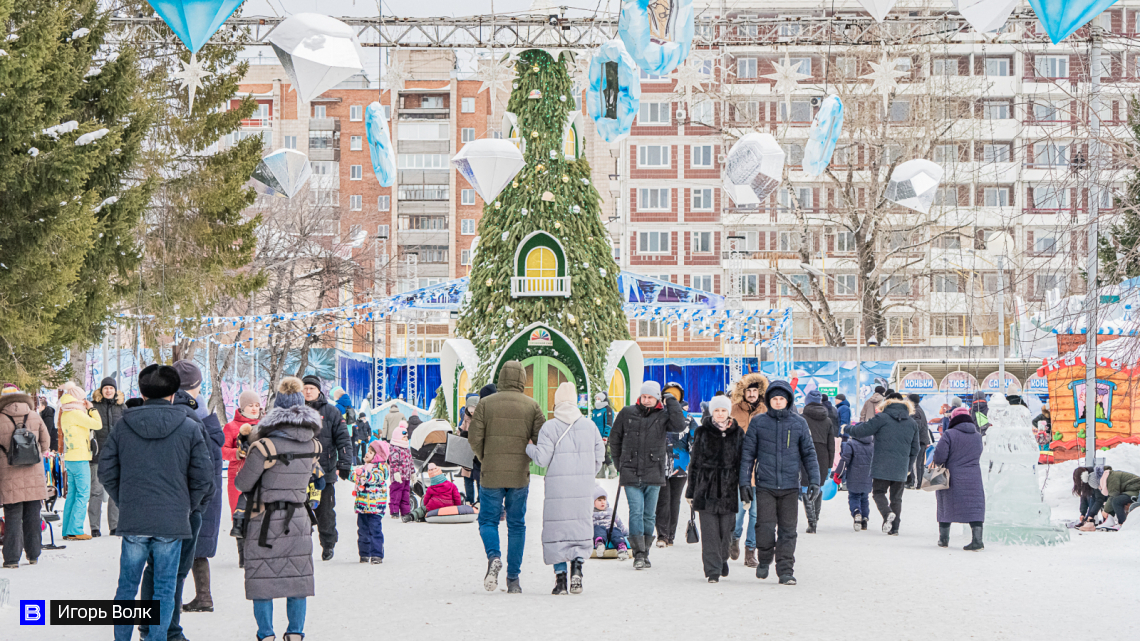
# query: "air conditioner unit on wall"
{"points": [[681, 115], [721, 158]]}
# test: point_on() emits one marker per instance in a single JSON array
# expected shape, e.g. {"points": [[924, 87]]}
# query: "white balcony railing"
{"points": [[540, 286]]}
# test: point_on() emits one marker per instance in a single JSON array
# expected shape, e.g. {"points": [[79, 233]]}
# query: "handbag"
{"points": [[691, 533], [936, 478]]}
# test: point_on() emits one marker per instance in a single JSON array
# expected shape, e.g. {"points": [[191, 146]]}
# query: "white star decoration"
{"points": [[884, 77], [690, 77], [787, 77], [395, 76], [497, 74], [191, 77]]}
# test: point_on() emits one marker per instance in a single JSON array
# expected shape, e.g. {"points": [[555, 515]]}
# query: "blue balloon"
{"points": [[380, 145], [628, 91], [1062, 17], [830, 489], [823, 136], [659, 45], [194, 21]]}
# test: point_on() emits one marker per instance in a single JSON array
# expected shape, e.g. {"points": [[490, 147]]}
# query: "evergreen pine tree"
{"points": [[592, 316], [1119, 249]]}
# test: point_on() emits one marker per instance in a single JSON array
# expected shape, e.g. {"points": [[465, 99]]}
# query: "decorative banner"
{"points": [[753, 169], [823, 136], [986, 15], [489, 164], [194, 21], [657, 33], [990, 384], [283, 173], [614, 94], [914, 184], [917, 382], [958, 383], [1062, 17], [318, 52], [380, 144], [1037, 384]]}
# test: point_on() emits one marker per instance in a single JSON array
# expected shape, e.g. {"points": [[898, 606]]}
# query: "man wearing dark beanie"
{"points": [[156, 467], [336, 458]]}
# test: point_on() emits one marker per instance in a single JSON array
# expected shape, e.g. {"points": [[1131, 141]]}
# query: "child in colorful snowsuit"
{"points": [[440, 493], [603, 538], [402, 469], [371, 494]]}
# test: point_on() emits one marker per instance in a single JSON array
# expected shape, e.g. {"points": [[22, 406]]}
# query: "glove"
{"points": [[813, 492], [399, 478], [343, 474], [746, 495]]}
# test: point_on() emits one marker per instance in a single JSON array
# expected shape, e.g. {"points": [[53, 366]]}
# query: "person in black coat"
{"points": [[824, 431], [47, 414], [361, 437], [776, 447], [914, 478], [714, 472], [336, 458], [896, 445]]}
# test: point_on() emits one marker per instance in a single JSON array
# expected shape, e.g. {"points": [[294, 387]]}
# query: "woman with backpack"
{"points": [[22, 483], [279, 539]]}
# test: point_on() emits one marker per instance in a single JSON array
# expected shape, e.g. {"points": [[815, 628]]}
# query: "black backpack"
{"points": [[24, 449]]}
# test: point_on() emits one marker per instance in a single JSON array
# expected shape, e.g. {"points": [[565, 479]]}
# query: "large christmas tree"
{"points": [[552, 194]]}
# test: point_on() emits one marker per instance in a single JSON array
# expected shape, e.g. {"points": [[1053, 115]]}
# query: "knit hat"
{"points": [[721, 402], [472, 402], [289, 393], [955, 402], [312, 379], [599, 492], [336, 392], [9, 388], [109, 382], [400, 438], [159, 381], [487, 390], [566, 393], [960, 411], [189, 374], [651, 388], [813, 397], [378, 447], [247, 398]]}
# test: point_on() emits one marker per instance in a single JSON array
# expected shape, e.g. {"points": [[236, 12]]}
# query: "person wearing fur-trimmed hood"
{"points": [[747, 403], [896, 445]]}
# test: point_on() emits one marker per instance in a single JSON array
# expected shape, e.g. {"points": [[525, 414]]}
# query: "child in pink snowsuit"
{"points": [[400, 464]]}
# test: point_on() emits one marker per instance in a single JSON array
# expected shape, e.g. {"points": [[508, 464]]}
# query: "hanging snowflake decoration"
{"points": [[190, 77]]}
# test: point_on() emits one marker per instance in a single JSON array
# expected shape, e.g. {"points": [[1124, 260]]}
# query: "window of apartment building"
{"points": [[845, 241], [795, 153], [701, 156], [356, 172], [789, 241], [995, 110], [703, 282], [422, 161], [949, 241], [946, 154], [998, 67], [465, 257], [290, 142], [383, 203], [650, 329], [900, 110], [653, 199], [747, 111], [750, 285], [745, 68], [1044, 242], [356, 143], [802, 65], [791, 29], [467, 197], [702, 113], [319, 111], [747, 30], [424, 192], [750, 242], [408, 130], [1050, 153], [654, 113], [900, 329], [653, 242], [261, 112], [355, 202], [353, 231], [996, 196], [356, 113], [1047, 111], [846, 284], [467, 105], [990, 282], [326, 168], [892, 153], [799, 281], [702, 242], [651, 77], [1052, 66], [847, 66], [1043, 283], [846, 327], [467, 134], [894, 286], [1051, 197], [702, 200], [946, 196], [947, 283], [324, 197], [382, 231], [944, 67], [904, 64], [996, 153], [784, 198], [948, 326], [467, 226], [797, 111], [653, 155], [432, 102], [322, 140]]}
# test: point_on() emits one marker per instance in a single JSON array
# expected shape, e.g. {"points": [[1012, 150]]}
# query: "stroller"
{"points": [[431, 443]]}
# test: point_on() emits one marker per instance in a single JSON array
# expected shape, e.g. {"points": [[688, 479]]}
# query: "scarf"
{"points": [[723, 427], [437, 479]]}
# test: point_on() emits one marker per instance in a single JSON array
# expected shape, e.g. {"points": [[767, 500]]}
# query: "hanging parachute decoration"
{"points": [[823, 136], [194, 22], [657, 33], [380, 144], [282, 173], [614, 93], [318, 52], [1062, 17]]}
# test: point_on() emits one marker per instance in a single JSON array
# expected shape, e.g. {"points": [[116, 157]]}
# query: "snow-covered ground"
{"points": [[862, 585]]}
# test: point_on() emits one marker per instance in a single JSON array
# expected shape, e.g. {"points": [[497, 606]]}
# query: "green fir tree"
{"points": [[1119, 249], [592, 317]]}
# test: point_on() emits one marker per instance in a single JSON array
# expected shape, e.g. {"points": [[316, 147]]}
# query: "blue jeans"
{"points": [[294, 609], [491, 502], [78, 491], [185, 562], [560, 568], [750, 540], [370, 535], [163, 554], [642, 501], [859, 503]]}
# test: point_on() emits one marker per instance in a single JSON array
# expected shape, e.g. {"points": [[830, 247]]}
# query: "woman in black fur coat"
{"points": [[714, 477]]}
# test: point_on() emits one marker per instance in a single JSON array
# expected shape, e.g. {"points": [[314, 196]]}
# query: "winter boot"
{"points": [[858, 522], [491, 580], [788, 580], [513, 586], [575, 577], [811, 527], [976, 544], [599, 547], [645, 552], [762, 571], [734, 549], [95, 533], [377, 560], [888, 523], [202, 601], [750, 558], [895, 525], [943, 536], [661, 543], [724, 569], [560, 584], [623, 552], [864, 523], [637, 543], [327, 554]]}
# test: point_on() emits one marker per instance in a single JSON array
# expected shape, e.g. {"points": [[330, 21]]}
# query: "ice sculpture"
{"points": [[194, 21], [657, 33], [753, 169], [380, 144], [283, 173], [614, 94], [317, 51], [914, 184], [1062, 17], [489, 164], [986, 15], [878, 8], [823, 136], [1015, 510]]}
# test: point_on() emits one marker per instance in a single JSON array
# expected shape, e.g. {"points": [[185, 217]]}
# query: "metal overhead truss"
{"points": [[556, 31]]}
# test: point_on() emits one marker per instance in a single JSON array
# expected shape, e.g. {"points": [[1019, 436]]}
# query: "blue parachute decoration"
{"points": [[823, 136], [380, 144], [614, 95], [657, 33], [1062, 17], [194, 21]]}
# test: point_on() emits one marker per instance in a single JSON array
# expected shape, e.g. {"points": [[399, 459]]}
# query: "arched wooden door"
{"points": [[543, 376]]}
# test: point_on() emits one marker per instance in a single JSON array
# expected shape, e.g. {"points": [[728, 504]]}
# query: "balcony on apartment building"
{"points": [[324, 139], [415, 106]]}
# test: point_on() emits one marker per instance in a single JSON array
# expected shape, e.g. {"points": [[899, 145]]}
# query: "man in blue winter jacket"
{"points": [[843, 409], [778, 443]]}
